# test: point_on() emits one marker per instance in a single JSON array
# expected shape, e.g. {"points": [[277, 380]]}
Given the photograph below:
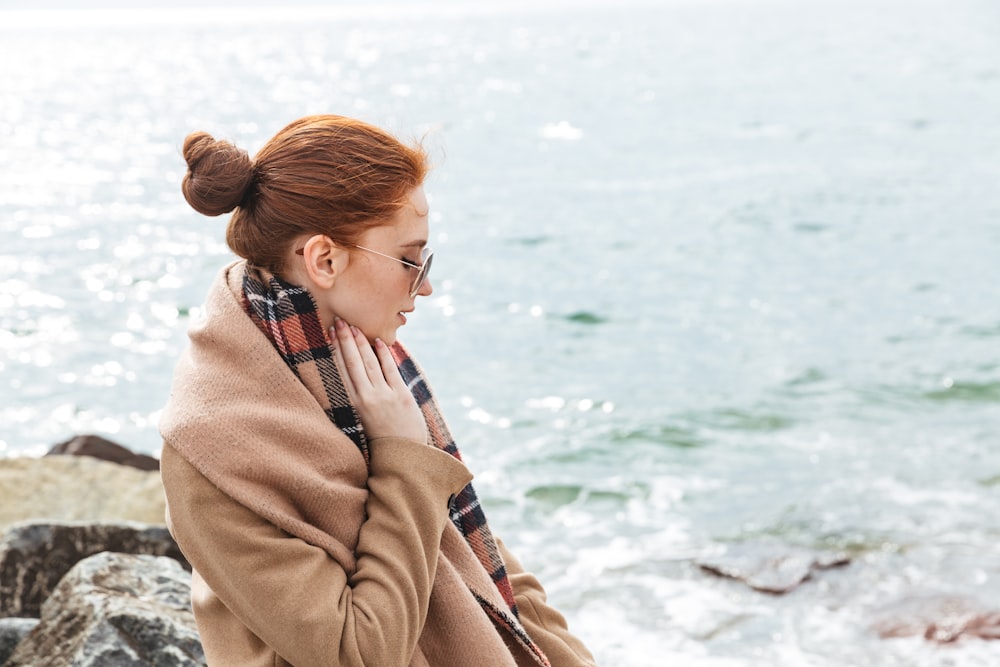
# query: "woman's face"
{"points": [[373, 292]]}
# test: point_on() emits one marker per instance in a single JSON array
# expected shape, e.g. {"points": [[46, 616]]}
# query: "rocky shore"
{"points": [[90, 577]]}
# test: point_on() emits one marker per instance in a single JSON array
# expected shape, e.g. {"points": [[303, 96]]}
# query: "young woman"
{"points": [[310, 478]]}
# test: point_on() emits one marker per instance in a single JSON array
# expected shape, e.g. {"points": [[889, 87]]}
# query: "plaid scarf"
{"points": [[288, 317]]}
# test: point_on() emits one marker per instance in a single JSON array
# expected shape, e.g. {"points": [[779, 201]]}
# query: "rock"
{"points": [[78, 488], [770, 568], [34, 556], [12, 631], [105, 450], [116, 610], [937, 617]]}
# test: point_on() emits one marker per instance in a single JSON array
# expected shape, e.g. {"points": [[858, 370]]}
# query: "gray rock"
{"points": [[770, 568], [937, 617], [105, 450], [34, 556], [116, 610], [12, 631]]}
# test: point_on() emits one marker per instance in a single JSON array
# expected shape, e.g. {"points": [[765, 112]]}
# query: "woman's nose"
{"points": [[426, 289]]}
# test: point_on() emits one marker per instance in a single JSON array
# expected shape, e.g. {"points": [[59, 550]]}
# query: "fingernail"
{"points": [[338, 323], [354, 330], [379, 343]]}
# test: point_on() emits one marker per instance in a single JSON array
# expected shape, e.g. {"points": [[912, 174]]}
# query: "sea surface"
{"points": [[706, 273]]}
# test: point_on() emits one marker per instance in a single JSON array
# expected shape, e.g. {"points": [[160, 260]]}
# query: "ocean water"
{"points": [[707, 273]]}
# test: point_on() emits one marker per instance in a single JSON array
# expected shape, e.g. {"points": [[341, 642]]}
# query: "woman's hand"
{"points": [[375, 387]]}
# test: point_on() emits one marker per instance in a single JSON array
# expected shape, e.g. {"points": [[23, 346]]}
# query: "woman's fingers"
{"points": [[361, 361], [389, 368], [371, 363], [338, 358], [376, 389], [354, 366]]}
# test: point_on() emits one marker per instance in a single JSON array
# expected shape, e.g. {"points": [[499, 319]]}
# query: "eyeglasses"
{"points": [[426, 257]]}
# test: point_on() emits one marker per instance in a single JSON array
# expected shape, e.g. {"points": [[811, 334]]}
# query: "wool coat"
{"points": [[304, 555]]}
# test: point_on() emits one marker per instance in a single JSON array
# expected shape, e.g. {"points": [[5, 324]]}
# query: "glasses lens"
{"points": [[425, 267]]}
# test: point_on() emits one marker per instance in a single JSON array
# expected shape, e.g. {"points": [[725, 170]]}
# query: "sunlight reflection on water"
{"points": [[707, 272]]}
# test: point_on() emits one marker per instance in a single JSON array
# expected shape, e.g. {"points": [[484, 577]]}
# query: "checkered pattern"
{"points": [[288, 316]]}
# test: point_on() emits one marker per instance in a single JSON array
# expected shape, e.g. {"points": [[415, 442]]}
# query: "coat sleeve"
{"points": [[295, 598], [544, 624]]}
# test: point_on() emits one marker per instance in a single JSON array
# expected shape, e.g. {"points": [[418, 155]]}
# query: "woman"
{"points": [[310, 478]]}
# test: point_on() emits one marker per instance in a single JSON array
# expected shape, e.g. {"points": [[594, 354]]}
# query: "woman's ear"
{"points": [[324, 260]]}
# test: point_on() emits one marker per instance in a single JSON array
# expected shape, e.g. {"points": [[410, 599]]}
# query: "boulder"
{"points": [[78, 488], [105, 450], [34, 556], [116, 610], [770, 567], [937, 617], [12, 631]]}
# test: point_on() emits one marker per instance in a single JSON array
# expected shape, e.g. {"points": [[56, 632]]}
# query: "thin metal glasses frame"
{"points": [[426, 255]]}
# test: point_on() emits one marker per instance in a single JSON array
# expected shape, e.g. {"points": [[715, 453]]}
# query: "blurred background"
{"points": [[707, 273]]}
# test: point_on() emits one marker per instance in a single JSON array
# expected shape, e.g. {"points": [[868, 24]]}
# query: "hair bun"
{"points": [[219, 174]]}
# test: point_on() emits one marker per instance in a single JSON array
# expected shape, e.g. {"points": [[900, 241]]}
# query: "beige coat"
{"points": [[302, 555]]}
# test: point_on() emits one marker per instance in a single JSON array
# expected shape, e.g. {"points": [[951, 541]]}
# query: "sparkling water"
{"points": [[706, 272]]}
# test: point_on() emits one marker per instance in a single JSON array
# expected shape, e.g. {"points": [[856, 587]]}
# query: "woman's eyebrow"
{"points": [[415, 244]]}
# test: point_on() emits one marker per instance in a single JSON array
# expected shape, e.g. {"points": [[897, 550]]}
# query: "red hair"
{"points": [[323, 174]]}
